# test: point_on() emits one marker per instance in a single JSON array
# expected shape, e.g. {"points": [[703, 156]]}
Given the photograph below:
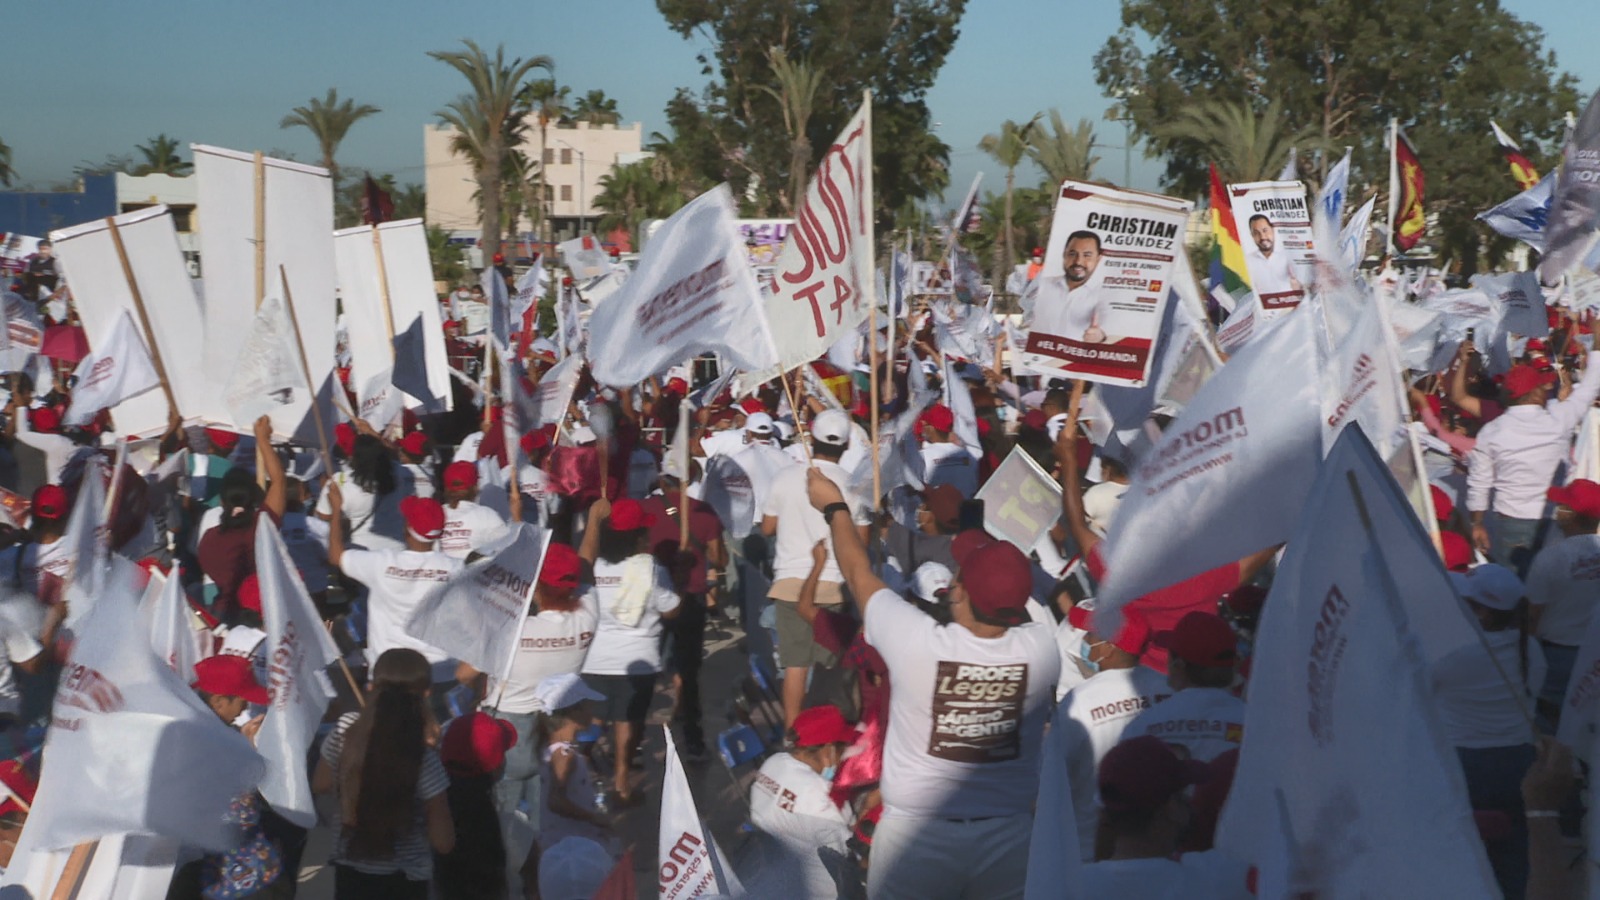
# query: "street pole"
{"points": [[583, 193]]}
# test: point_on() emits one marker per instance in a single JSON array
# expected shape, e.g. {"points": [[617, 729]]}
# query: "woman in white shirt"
{"points": [[372, 489], [1486, 718], [633, 594]]}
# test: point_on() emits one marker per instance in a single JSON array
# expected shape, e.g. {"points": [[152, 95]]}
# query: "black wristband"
{"points": [[831, 508]]}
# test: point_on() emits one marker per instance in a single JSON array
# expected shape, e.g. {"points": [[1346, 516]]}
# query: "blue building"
{"points": [[38, 213]]}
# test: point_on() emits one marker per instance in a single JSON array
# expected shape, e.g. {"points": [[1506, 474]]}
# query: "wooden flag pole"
{"points": [[685, 422], [72, 873], [261, 279], [799, 426], [383, 289], [305, 366], [144, 316], [349, 676]]}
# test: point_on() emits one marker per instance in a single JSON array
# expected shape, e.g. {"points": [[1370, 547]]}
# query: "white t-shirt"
{"points": [[761, 462], [1206, 722], [468, 526], [789, 806], [722, 443], [552, 643], [419, 479], [1069, 313], [397, 581], [621, 647], [1095, 715], [19, 646], [1565, 580], [800, 526], [1269, 274], [306, 539], [55, 558], [1210, 875], [966, 715], [375, 522], [1475, 706], [952, 464]]}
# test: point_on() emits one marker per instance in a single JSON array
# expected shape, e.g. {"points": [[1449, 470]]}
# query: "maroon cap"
{"points": [[560, 567], [534, 441], [822, 725], [968, 541], [49, 502], [998, 581], [424, 517], [1035, 419], [1581, 496], [944, 503], [476, 744], [940, 417], [415, 443], [230, 676], [628, 514], [1142, 773], [460, 476], [1201, 639], [249, 594], [1246, 599], [1457, 552]]}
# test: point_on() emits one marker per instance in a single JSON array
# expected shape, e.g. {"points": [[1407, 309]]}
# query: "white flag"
{"points": [[824, 275], [1361, 384], [1229, 474], [530, 287], [1054, 859], [1586, 453], [131, 748], [584, 257], [1353, 237], [1521, 301], [494, 291], [477, 615], [694, 292], [165, 611], [553, 394], [87, 540], [299, 651], [117, 371], [692, 865], [1524, 216], [268, 375], [378, 402], [1330, 200], [1342, 747]]}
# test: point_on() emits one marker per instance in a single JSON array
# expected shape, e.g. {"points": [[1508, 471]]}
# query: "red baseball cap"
{"points": [[1457, 552], [344, 434], [676, 386], [1035, 419], [249, 594], [424, 517], [628, 514], [560, 567], [1140, 774], [499, 257], [230, 676], [1201, 639], [222, 440], [1003, 582], [476, 744], [821, 725], [1443, 506], [1246, 599], [49, 502], [1038, 251], [1581, 496], [460, 476], [752, 405], [44, 419], [939, 416], [1535, 345], [534, 440], [415, 443], [1523, 380]]}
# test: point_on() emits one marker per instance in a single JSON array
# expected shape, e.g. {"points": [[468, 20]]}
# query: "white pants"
{"points": [[939, 859]]}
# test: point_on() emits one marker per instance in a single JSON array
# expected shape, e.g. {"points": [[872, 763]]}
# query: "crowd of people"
{"points": [[913, 662]]}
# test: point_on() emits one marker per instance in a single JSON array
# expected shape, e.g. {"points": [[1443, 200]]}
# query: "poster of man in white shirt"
{"points": [[1104, 283], [1278, 252]]}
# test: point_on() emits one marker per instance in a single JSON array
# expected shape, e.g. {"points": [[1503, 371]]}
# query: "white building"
{"points": [[181, 194]]}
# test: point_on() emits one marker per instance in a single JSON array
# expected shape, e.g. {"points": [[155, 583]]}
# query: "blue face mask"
{"points": [[1088, 664], [829, 772]]}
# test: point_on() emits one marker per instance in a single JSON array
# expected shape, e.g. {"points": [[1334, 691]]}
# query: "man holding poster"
{"points": [[1099, 309]]}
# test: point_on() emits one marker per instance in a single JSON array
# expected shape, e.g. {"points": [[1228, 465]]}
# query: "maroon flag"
{"points": [[619, 885], [377, 206]]}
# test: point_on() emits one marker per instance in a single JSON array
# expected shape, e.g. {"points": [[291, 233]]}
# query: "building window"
{"points": [[181, 219], [566, 156], [566, 193], [549, 156]]}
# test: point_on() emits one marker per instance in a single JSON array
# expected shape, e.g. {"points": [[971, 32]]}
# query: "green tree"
{"points": [[1343, 68], [1245, 145], [596, 108], [446, 258], [894, 48], [1063, 153], [1008, 146], [328, 119], [160, 157], [7, 174], [796, 93], [488, 122], [630, 194]]}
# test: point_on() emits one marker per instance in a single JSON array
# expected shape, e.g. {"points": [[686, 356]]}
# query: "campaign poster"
{"points": [[1275, 228], [1107, 267], [763, 241]]}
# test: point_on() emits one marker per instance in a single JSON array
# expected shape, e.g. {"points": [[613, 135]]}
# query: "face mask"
{"points": [[1083, 658], [829, 772]]}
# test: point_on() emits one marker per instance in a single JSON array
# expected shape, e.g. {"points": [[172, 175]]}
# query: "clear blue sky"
{"points": [[89, 78]]}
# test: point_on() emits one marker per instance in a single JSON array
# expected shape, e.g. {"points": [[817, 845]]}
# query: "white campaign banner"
{"points": [[477, 615], [694, 292], [584, 257], [267, 375], [131, 748], [1229, 474], [1586, 451], [101, 292], [1361, 384], [823, 278], [409, 272], [21, 332], [1521, 301], [1103, 291], [119, 370], [86, 541], [553, 394], [1055, 860], [1021, 501], [165, 610], [1275, 228], [299, 651], [299, 228], [692, 865], [1345, 779]]}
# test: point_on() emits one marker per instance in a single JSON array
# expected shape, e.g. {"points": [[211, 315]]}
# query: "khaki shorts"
{"points": [[797, 649]]}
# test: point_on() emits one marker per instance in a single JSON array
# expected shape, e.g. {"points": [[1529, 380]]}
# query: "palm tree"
{"points": [[485, 119], [1008, 147], [796, 93], [7, 174], [161, 157], [631, 193], [547, 102], [596, 109], [1244, 145], [328, 120], [1063, 154]]}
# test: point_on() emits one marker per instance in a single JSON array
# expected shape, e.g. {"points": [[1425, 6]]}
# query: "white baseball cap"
{"points": [[831, 427], [1100, 504], [929, 579], [1490, 584], [758, 423], [563, 691], [573, 868]]}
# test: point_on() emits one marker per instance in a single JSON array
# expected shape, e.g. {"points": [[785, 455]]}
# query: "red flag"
{"points": [[1521, 169], [377, 206], [1409, 221], [619, 885]]}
